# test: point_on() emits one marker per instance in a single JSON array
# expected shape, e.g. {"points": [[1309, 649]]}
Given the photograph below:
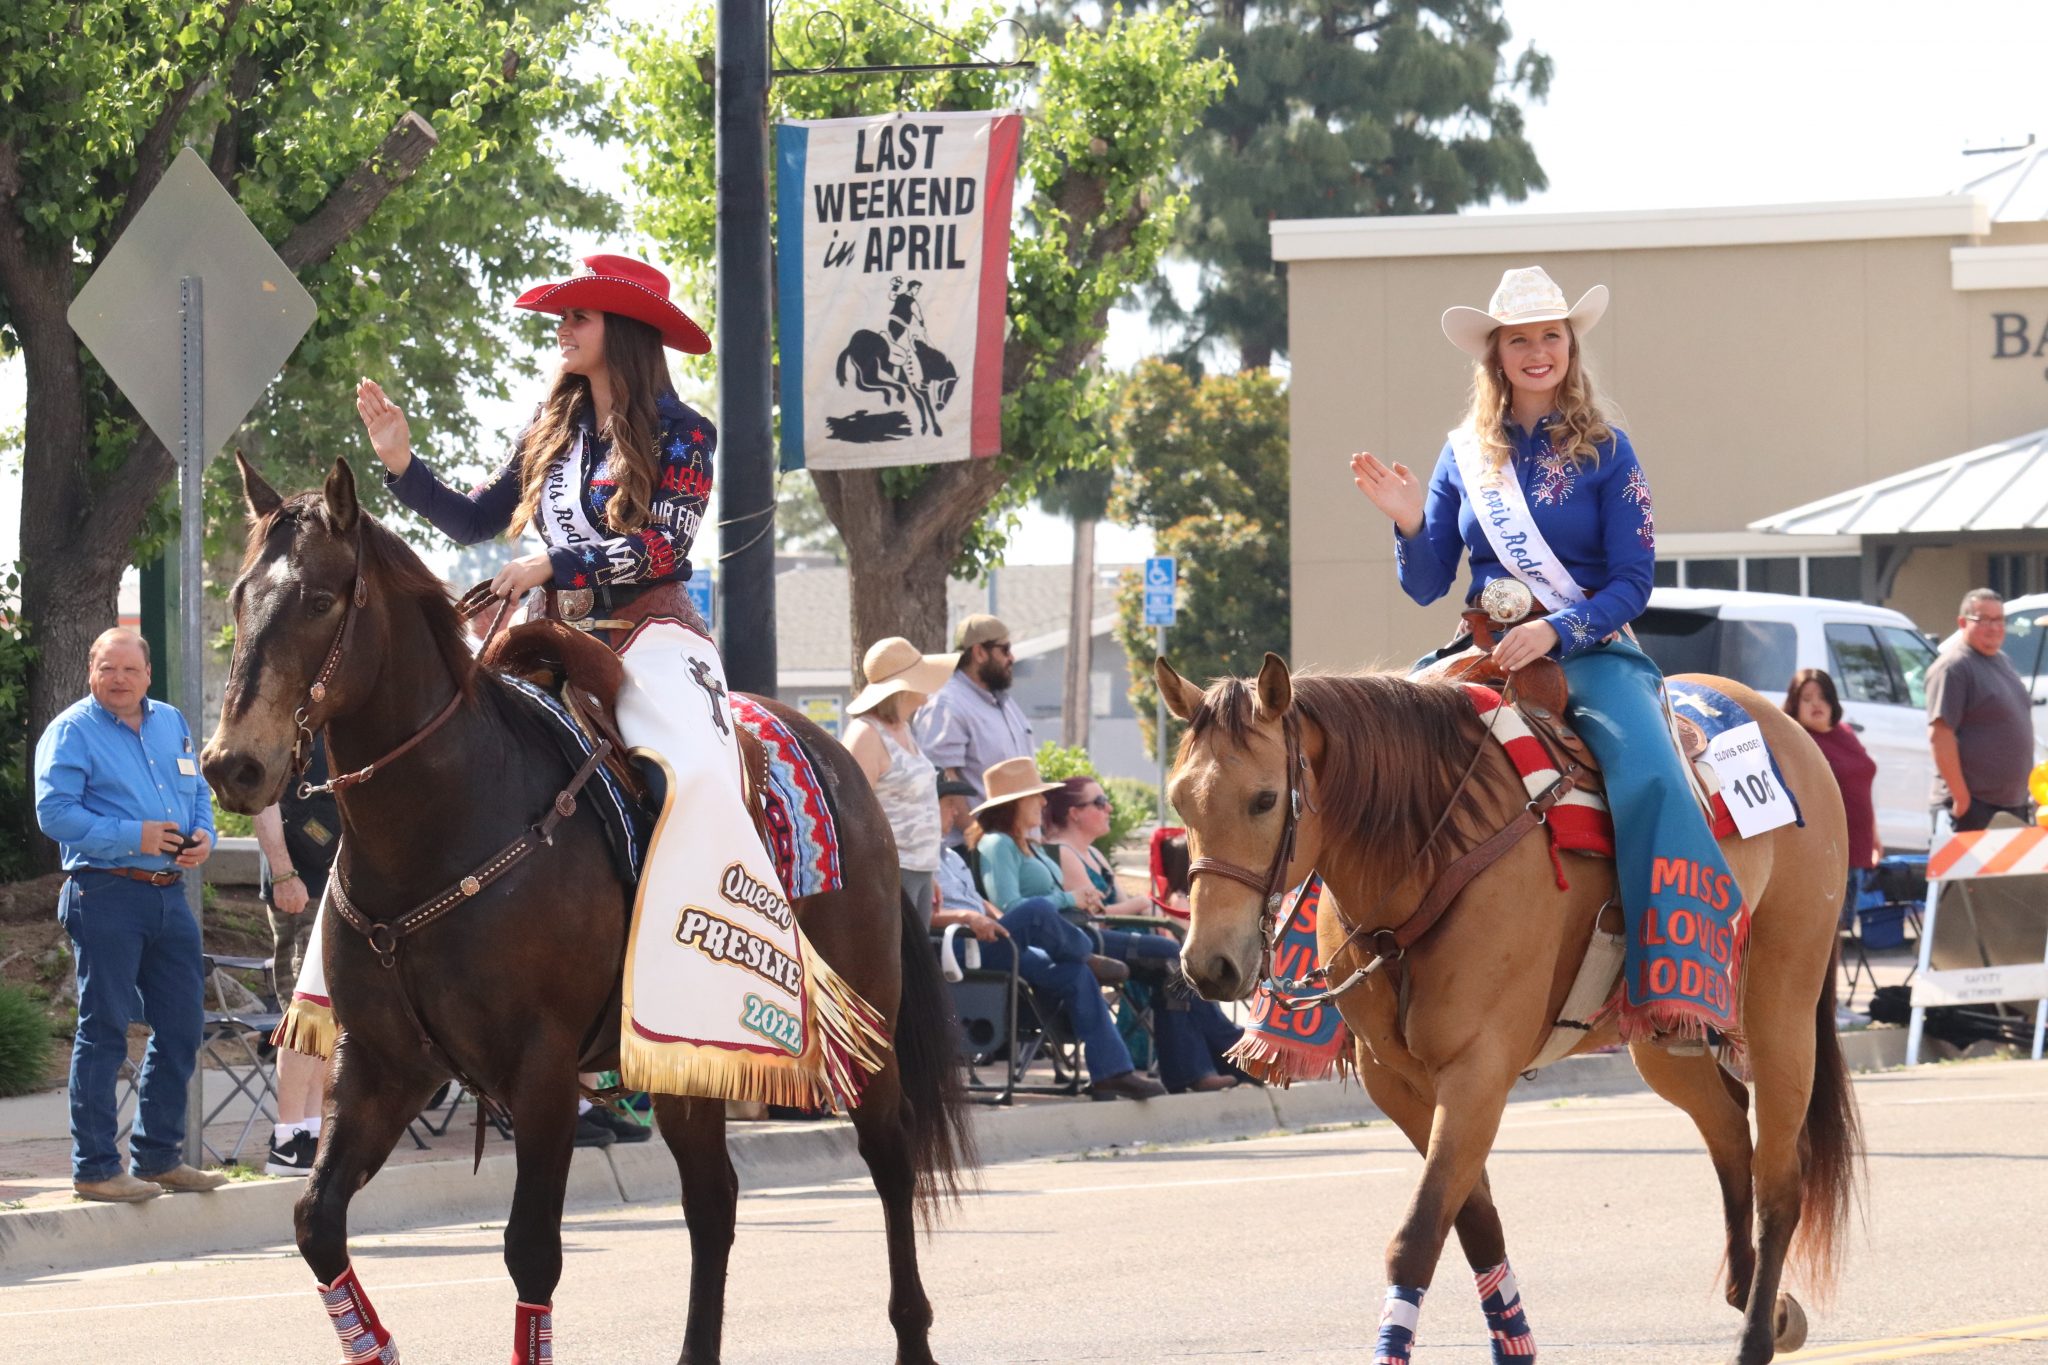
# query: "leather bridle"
{"points": [[1389, 943], [1273, 886], [304, 719]]}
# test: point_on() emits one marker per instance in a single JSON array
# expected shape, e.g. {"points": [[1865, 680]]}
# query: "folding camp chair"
{"points": [[1001, 1020], [235, 1036]]}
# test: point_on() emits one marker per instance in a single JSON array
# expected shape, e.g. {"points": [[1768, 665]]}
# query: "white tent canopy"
{"points": [[2001, 487]]}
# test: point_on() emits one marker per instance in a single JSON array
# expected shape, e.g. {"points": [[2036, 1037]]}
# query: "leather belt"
{"points": [[573, 606], [161, 877]]}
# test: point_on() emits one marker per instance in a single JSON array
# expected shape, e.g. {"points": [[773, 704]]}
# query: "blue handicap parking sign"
{"points": [[1159, 573], [701, 595]]}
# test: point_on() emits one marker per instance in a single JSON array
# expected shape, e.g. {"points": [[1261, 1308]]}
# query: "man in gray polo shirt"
{"points": [[1979, 722], [973, 722]]}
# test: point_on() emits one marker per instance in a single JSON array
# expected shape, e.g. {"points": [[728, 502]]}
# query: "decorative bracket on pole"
{"points": [[822, 27]]}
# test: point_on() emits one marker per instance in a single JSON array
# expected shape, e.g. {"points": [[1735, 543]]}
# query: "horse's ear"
{"points": [[256, 490], [1183, 698], [340, 493], [1275, 687]]}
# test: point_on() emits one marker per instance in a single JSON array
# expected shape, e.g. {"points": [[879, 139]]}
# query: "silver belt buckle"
{"points": [[1507, 600], [575, 603]]}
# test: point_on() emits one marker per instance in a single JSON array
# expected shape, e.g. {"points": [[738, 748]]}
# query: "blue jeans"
{"points": [[1053, 960], [138, 953], [1191, 1034]]}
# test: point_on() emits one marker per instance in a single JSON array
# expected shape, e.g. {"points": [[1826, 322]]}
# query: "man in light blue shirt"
{"points": [[118, 788], [973, 723]]}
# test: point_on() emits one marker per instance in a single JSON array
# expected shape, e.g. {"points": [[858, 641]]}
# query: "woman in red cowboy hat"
{"points": [[614, 471], [613, 474]]}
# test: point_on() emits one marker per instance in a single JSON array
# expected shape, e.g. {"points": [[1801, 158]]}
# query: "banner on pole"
{"points": [[892, 275]]}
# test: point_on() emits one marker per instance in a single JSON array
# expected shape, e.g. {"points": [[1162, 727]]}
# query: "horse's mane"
{"points": [[392, 567], [1393, 753]]}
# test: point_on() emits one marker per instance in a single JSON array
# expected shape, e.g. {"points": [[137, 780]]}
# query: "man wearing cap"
{"points": [[118, 788], [973, 723]]}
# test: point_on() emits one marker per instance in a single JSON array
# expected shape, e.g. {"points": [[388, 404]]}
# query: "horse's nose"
{"points": [[238, 777], [1218, 978]]}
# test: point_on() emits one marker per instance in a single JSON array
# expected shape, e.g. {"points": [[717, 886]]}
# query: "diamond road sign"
{"points": [[253, 311]]}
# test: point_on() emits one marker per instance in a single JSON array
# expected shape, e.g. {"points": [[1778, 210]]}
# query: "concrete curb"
{"points": [[426, 1194]]}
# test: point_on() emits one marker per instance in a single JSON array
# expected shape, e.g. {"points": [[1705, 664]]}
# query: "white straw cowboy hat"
{"points": [[1013, 779], [1525, 295], [894, 665]]}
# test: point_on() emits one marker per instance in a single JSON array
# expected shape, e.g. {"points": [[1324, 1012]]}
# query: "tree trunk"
{"points": [[1076, 698], [900, 551], [1254, 355]]}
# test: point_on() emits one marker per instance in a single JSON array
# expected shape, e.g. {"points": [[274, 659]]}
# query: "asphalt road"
{"points": [[1266, 1250]]}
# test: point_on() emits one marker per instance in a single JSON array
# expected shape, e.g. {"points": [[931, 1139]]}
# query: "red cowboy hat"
{"points": [[620, 284]]}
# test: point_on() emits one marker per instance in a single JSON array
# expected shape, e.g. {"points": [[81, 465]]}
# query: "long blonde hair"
{"points": [[638, 370], [1577, 432]]}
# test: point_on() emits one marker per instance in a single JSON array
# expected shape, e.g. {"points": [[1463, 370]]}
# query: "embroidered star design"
{"points": [[1555, 477], [697, 435], [579, 581], [1637, 491]]}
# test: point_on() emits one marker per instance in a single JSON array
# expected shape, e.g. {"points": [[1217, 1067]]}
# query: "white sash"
{"points": [[563, 522], [1503, 512]]}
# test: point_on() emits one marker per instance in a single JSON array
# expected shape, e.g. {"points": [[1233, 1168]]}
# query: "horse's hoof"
{"points": [[1788, 1324]]}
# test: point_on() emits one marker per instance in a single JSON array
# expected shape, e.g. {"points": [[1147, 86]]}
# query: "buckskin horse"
{"points": [[518, 986], [1348, 776]]}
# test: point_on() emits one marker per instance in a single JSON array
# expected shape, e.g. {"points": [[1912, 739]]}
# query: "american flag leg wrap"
{"points": [[363, 1339], [533, 1343], [1398, 1316], [1507, 1325]]}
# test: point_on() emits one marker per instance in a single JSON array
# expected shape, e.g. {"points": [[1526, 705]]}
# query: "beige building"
{"points": [[1761, 359]]}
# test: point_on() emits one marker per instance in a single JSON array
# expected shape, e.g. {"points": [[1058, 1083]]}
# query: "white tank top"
{"points": [[909, 792]]}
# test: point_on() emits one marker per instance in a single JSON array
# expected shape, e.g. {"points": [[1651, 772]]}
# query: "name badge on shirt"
{"points": [[186, 768]]}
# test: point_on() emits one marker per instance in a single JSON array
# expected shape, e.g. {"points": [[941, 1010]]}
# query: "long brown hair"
{"points": [[638, 370], [1578, 430]]}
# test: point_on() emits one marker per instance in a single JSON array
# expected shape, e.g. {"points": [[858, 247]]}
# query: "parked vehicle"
{"points": [[1876, 656]]}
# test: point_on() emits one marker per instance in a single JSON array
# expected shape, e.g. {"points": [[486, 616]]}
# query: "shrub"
{"points": [[24, 1043]]}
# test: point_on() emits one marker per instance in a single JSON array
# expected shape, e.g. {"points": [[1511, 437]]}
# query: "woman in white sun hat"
{"points": [[900, 678], [1545, 497]]}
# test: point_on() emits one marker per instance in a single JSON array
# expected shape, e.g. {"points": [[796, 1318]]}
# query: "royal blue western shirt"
{"points": [[1598, 521], [97, 781]]}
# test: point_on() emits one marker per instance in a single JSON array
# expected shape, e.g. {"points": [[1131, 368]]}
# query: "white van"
{"points": [[1875, 655]]}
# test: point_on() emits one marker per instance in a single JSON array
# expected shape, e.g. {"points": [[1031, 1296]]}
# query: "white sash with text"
{"points": [[1503, 513]]}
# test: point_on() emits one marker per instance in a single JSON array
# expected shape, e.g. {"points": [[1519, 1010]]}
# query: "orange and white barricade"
{"points": [[1966, 858]]}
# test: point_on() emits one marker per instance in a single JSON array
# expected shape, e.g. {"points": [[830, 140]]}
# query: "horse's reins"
{"points": [[1390, 943], [384, 936]]}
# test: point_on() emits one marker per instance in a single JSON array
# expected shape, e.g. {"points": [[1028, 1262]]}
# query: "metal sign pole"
{"points": [[191, 681], [1161, 653], [746, 415]]}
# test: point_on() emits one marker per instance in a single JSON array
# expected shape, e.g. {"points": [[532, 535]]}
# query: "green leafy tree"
{"points": [[392, 154], [1207, 469], [1342, 108], [1109, 107]]}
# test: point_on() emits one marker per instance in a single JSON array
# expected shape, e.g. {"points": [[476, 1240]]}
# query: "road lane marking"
{"points": [[1935, 1342], [233, 1298], [1220, 1180]]}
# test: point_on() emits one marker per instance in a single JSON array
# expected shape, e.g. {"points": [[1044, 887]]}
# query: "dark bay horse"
{"points": [[519, 985], [1384, 761]]}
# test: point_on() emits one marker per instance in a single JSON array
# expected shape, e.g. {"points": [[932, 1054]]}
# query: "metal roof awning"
{"points": [[2001, 487]]}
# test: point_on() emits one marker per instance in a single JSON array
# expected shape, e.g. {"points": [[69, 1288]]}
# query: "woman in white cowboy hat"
{"points": [[1545, 497], [900, 678]]}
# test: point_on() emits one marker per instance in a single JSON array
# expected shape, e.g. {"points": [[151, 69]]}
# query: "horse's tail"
{"points": [[941, 1140], [1833, 1138], [839, 369]]}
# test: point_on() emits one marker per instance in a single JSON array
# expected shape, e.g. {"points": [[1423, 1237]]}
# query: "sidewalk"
{"points": [[49, 1230]]}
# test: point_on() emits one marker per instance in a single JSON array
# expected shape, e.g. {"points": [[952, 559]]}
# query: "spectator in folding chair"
{"points": [[299, 837], [1192, 1034], [1813, 701], [1053, 958]]}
